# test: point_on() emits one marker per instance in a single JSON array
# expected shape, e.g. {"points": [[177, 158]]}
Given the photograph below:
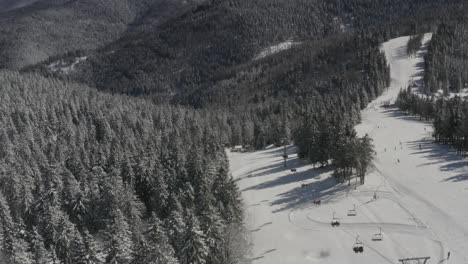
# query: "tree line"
{"points": [[414, 43], [449, 117]]}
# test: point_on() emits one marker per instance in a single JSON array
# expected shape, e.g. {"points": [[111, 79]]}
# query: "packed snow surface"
{"points": [[420, 206], [276, 48]]}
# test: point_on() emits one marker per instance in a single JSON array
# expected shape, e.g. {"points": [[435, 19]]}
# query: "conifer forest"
{"points": [[117, 117]]}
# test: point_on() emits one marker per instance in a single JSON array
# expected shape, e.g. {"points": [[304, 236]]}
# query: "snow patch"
{"points": [[462, 94], [276, 48], [62, 66]]}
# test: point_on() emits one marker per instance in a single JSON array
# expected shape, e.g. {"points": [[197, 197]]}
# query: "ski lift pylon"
{"points": [[378, 236], [358, 246]]}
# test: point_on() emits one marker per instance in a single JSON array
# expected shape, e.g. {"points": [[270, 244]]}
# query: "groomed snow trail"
{"points": [[421, 200]]}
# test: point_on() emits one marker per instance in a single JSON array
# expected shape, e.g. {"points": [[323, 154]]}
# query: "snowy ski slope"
{"points": [[421, 203]]}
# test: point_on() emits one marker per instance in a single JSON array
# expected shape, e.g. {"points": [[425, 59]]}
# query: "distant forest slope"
{"points": [[198, 47], [190, 49], [47, 28], [205, 58], [7, 5]]}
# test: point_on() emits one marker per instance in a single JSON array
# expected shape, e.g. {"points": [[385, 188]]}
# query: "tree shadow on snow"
{"points": [[395, 112], [435, 153], [298, 176], [277, 151], [325, 190], [400, 53], [276, 166], [442, 155], [458, 178]]}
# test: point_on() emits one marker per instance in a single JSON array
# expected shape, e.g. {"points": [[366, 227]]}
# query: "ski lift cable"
{"points": [[404, 249], [367, 245]]}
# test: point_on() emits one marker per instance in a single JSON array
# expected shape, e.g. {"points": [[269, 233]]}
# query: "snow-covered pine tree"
{"points": [[120, 245], [156, 248], [193, 249]]}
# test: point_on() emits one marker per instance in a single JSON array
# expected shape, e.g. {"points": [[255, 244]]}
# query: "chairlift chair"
{"points": [[352, 212], [358, 246], [335, 221], [378, 236]]}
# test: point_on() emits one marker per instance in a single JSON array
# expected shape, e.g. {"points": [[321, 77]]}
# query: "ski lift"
{"points": [[335, 221], [352, 212], [358, 247], [378, 236]]}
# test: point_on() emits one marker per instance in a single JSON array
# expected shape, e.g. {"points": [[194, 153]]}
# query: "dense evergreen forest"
{"points": [[135, 171], [47, 28], [191, 51], [447, 59], [94, 178]]}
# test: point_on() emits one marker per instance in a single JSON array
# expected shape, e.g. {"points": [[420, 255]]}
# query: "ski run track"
{"points": [[421, 189]]}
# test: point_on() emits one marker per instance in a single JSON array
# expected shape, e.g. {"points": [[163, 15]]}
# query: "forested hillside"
{"points": [[135, 171], [7, 5], [205, 59], [47, 28], [92, 178], [447, 59], [212, 39]]}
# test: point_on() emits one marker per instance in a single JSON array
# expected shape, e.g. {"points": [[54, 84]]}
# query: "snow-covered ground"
{"points": [[276, 48], [66, 67], [463, 94], [421, 200]]}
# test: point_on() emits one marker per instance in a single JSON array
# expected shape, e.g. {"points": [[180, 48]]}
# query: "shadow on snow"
{"points": [[325, 190]]}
